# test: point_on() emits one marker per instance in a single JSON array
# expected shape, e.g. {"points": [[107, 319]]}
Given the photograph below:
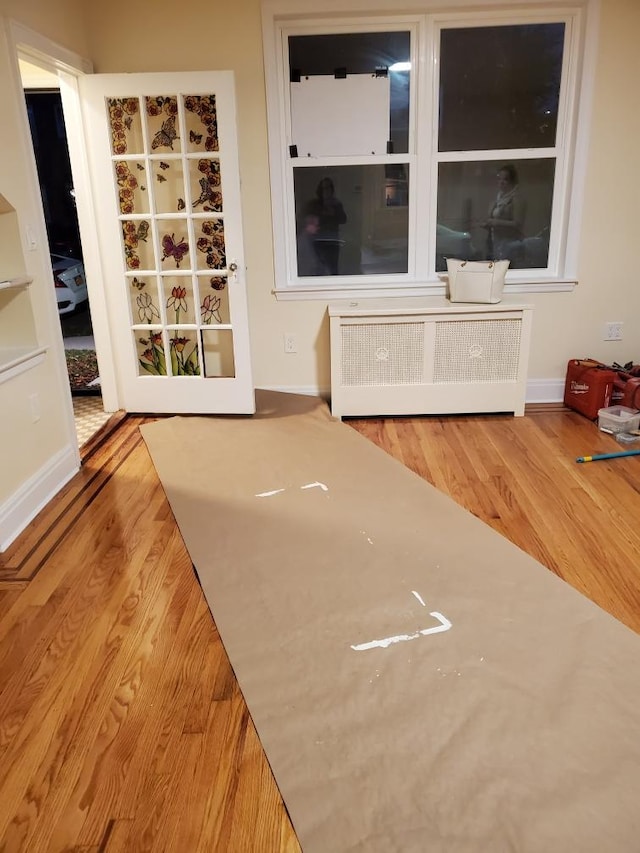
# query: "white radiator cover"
{"points": [[428, 356]]}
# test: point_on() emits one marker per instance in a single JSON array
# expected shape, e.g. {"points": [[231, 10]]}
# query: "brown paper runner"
{"points": [[499, 712]]}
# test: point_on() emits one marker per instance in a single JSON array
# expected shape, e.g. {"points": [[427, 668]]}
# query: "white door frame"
{"points": [[68, 66]]}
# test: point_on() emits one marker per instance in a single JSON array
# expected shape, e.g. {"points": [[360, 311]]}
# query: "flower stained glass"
{"points": [[126, 125], [183, 347], [214, 300], [143, 299], [133, 196], [138, 246], [202, 122], [178, 299], [151, 354], [210, 245]]}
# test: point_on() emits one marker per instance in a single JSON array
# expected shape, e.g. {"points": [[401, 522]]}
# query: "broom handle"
{"points": [[608, 455]]}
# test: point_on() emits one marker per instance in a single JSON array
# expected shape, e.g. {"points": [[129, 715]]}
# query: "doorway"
{"points": [[49, 140]]}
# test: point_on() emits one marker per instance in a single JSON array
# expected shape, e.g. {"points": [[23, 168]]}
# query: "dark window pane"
{"points": [[500, 86], [490, 210], [360, 53], [352, 220]]}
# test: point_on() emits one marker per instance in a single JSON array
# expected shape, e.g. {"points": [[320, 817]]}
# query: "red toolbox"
{"points": [[590, 386]]}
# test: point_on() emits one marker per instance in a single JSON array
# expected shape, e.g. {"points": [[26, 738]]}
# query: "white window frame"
{"points": [[282, 18]]}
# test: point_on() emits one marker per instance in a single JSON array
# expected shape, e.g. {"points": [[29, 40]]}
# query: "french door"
{"points": [[162, 154]]}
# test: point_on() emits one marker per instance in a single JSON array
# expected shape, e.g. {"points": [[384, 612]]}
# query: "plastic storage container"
{"points": [[618, 419]]}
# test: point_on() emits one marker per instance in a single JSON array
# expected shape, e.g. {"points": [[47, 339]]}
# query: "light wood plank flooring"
{"points": [[122, 727]]}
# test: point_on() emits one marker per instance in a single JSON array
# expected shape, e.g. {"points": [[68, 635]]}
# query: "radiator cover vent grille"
{"points": [[383, 354], [476, 351]]}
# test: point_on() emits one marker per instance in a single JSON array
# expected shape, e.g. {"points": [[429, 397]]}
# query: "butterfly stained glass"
{"points": [[165, 137], [208, 193], [173, 249]]}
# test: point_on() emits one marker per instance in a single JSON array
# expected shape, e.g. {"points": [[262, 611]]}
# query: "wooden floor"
{"points": [[121, 724]]}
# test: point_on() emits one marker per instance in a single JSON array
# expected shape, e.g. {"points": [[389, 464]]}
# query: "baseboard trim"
{"points": [[538, 390], [545, 391], [33, 495]]}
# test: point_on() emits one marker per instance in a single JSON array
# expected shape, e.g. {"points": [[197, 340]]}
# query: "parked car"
{"points": [[70, 283], [452, 244]]}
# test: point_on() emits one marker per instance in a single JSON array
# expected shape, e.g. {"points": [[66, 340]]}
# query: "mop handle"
{"points": [[608, 455]]}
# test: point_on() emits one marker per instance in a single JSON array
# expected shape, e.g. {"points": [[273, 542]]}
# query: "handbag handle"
{"points": [[464, 263]]}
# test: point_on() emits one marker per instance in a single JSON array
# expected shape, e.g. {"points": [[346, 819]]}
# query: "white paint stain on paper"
{"points": [[419, 597], [444, 625], [316, 485]]}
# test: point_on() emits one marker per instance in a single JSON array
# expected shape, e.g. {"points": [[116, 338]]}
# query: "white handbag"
{"points": [[476, 281]]}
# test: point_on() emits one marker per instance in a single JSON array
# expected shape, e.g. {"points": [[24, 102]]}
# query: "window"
{"points": [[396, 142]]}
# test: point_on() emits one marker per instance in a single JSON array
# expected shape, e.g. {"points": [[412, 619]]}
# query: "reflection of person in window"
{"points": [[506, 218], [331, 216], [309, 263]]}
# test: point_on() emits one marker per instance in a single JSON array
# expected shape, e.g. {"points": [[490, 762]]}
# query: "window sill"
{"points": [[321, 292]]}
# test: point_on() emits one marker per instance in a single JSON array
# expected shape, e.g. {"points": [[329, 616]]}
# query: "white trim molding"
{"points": [[538, 390], [545, 390], [34, 494]]}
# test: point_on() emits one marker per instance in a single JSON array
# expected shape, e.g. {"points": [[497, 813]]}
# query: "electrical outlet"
{"points": [[613, 331], [290, 342]]}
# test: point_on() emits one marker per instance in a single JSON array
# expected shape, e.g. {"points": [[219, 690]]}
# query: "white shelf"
{"points": [[417, 305], [8, 284], [15, 360]]}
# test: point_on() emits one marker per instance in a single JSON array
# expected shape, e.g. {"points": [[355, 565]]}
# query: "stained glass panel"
{"points": [[217, 352], [211, 252], [202, 123], [138, 245], [125, 125], [178, 299], [131, 178], [151, 353], [168, 185], [174, 244], [143, 299], [183, 347], [162, 124], [214, 300], [206, 195]]}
